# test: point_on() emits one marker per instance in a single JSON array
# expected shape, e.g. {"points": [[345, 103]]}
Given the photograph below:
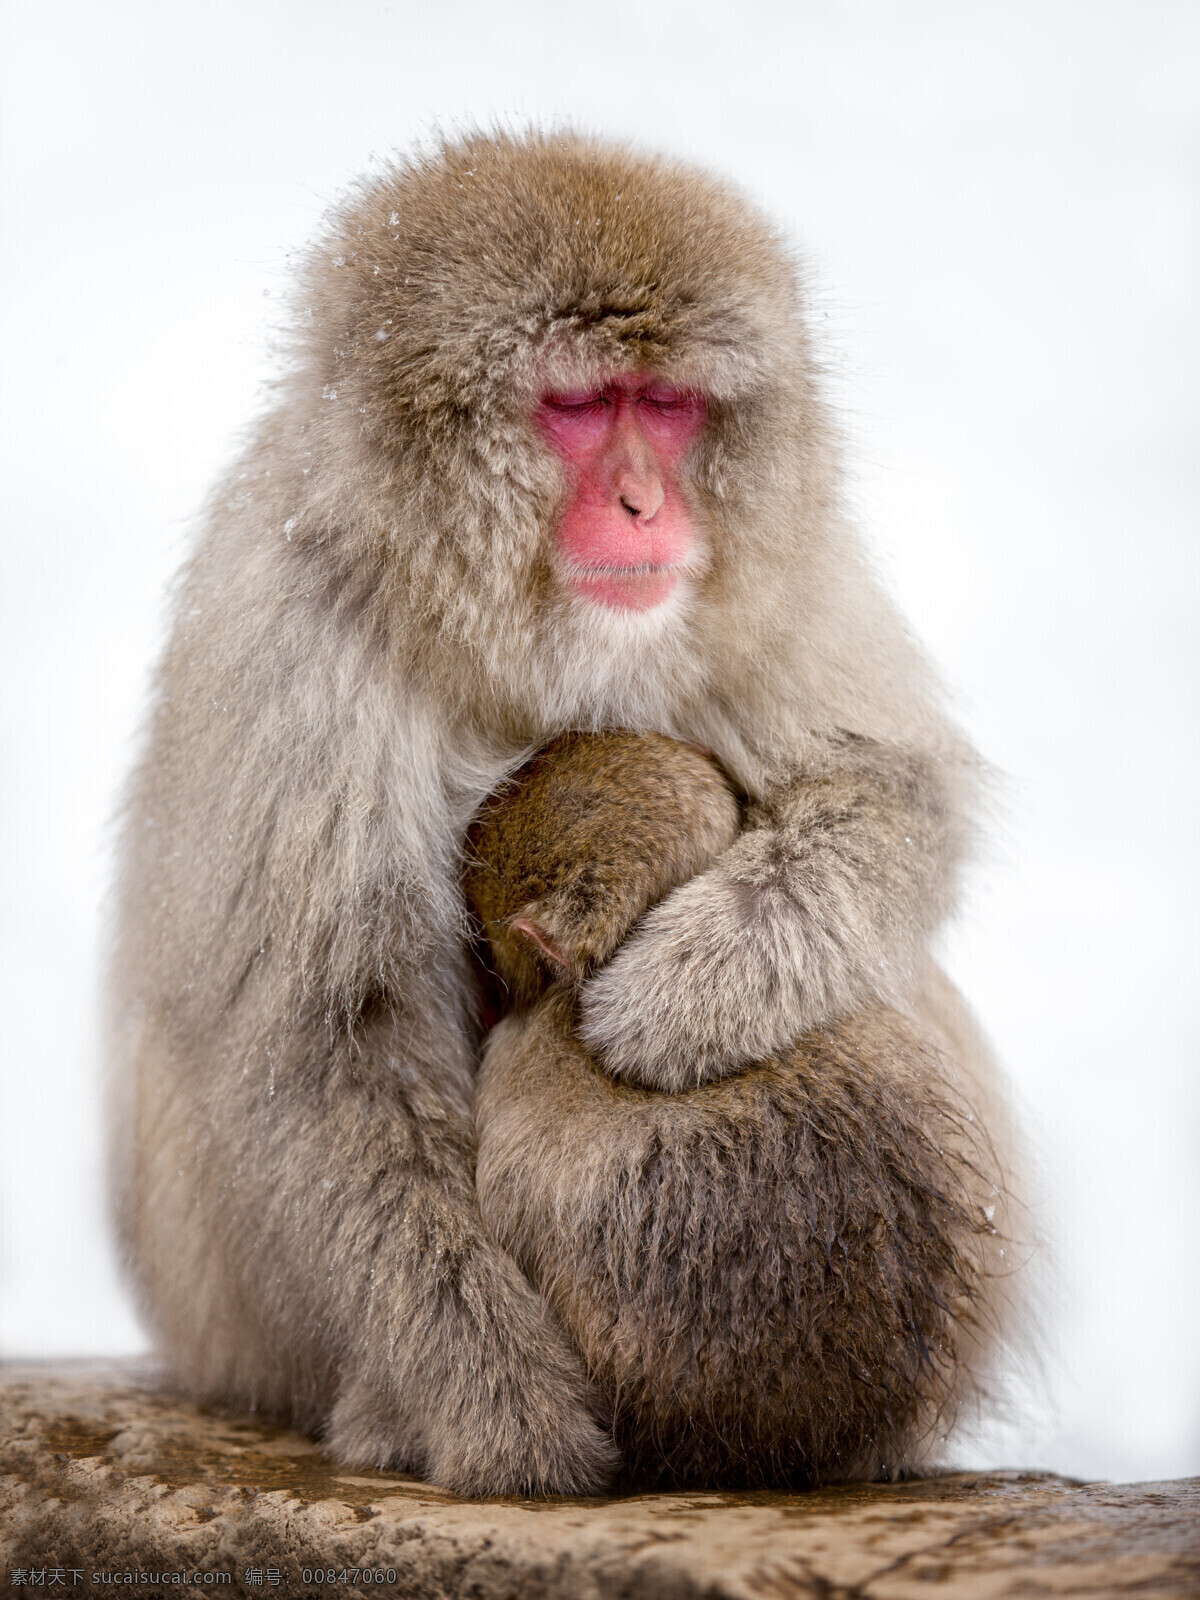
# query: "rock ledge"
{"points": [[109, 1486]]}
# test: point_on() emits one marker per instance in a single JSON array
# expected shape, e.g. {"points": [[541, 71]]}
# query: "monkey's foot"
{"points": [[546, 1442]]}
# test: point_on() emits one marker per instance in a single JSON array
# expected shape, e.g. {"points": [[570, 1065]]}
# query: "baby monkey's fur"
{"points": [[780, 1277]]}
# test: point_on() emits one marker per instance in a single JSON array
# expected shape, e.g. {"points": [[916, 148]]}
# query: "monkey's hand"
{"points": [[823, 904]]}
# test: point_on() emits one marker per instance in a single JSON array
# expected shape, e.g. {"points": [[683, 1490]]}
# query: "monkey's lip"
{"points": [[638, 588]]}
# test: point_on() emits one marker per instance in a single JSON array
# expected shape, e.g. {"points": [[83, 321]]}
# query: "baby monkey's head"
{"points": [[589, 834]]}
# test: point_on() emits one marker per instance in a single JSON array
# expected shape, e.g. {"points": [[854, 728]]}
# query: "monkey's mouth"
{"points": [[633, 588]]}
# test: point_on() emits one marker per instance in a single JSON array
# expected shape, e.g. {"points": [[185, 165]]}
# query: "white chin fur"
{"points": [[603, 666]]}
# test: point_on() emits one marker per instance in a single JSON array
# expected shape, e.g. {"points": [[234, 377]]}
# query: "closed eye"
{"points": [[574, 402], [667, 399]]}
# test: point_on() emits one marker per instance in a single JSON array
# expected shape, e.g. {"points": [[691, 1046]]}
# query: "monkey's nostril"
{"points": [[634, 511]]}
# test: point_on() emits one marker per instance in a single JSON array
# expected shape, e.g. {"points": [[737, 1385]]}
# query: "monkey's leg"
{"points": [[303, 1224], [787, 1276], [822, 906]]}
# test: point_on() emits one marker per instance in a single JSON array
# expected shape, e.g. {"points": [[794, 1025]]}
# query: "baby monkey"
{"points": [[775, 1279]]}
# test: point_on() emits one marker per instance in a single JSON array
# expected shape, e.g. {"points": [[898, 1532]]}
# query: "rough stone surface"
{"points": [[106, 1482]]}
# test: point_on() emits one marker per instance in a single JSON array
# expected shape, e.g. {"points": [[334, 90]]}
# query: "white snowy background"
{"points": [[999, 207]]}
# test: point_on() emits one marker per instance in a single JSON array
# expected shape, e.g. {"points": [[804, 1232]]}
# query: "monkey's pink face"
{"points": [[625, 534]]}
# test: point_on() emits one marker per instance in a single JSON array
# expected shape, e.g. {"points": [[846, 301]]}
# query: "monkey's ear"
{"points": [[528, 926]]}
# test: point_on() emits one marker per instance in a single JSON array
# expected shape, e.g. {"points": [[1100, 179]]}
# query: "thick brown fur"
{"points": [[370, 635], [591, 832], [780, 1277]]}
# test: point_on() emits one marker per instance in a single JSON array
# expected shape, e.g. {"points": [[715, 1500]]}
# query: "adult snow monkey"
{"points": [[550, 454]]}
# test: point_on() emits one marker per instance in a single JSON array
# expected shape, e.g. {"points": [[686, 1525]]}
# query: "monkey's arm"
{"points": [[823, 904], [449, 1363], [296, 1052], [306, 1238]]}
